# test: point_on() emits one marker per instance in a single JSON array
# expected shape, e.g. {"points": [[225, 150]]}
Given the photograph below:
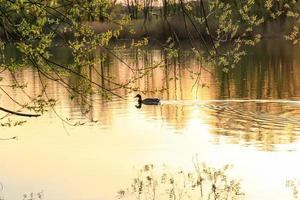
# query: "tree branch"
{"points": [[19, 114]]}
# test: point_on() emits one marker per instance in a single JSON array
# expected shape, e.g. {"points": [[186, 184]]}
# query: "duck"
{"points": [[148, 101]]}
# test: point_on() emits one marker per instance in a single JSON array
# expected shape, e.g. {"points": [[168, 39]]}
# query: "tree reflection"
{"points": [[270, 72]]}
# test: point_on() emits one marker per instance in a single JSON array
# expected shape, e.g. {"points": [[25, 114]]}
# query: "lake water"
{"points": [[249, 118]]}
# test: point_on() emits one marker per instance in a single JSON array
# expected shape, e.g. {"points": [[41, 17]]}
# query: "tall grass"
{"points": [[202, 183]]}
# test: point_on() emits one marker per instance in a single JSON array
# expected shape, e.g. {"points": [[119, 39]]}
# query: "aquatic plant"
{"points": [[202, 183], [294, 185], [33, 196]]}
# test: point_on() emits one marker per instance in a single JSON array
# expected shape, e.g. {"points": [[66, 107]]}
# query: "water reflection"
{"points": [[256, 123], [248, 117], [267, 73]]}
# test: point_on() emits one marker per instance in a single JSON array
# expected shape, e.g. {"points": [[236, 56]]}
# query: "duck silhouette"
{"points": [[147, 101]]}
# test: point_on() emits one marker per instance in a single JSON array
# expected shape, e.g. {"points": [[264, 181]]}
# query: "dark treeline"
{"points": [[161, 19]]}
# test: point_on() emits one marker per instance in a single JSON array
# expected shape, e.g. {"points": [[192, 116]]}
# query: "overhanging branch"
{"points": [[18, 113]]}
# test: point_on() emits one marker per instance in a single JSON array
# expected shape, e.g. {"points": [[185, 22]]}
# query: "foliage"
{"points": [[36, 27]]}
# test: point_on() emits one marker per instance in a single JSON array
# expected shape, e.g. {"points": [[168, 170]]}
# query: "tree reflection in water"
{"points": [[269, 72]]}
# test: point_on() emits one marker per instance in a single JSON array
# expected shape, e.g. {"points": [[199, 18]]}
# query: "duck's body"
{"points": [[151, 101], [148, 101]]}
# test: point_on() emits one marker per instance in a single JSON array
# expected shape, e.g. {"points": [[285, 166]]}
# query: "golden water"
{"points": [[249, 118]]}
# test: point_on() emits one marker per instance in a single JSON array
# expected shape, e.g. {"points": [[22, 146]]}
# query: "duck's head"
{"points": [[138, 96]]}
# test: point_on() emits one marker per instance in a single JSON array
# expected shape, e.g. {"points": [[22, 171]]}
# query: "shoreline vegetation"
{"points": [[183, 20], [159, 30]]}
